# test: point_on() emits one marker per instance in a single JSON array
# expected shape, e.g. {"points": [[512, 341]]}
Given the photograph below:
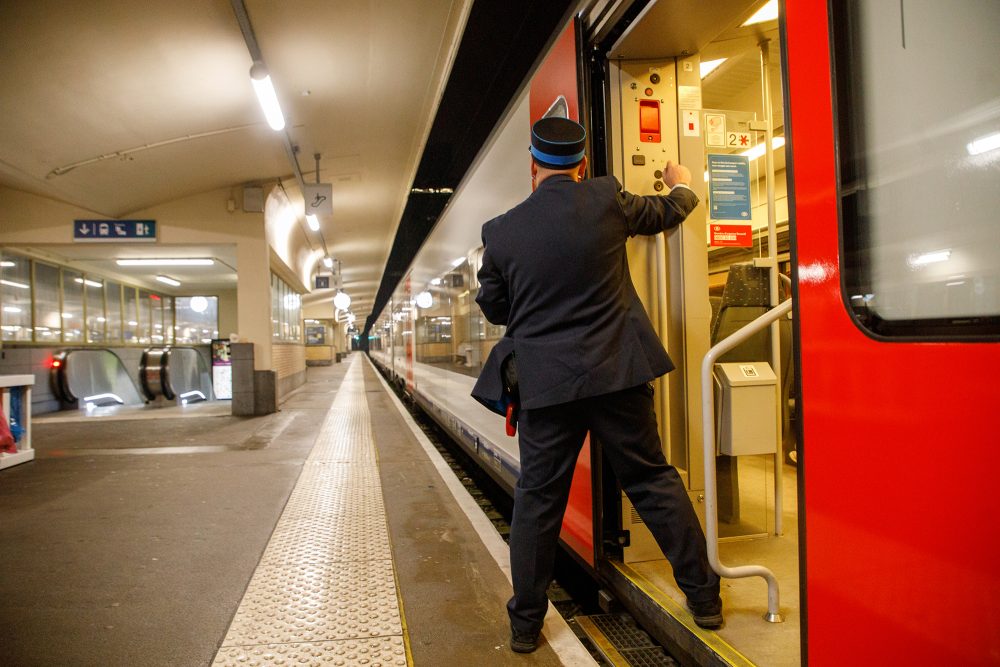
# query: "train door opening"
{"points": [[702, 85]]}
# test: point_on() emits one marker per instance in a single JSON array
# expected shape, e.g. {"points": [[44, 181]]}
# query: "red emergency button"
{"points": [[649, 121]]}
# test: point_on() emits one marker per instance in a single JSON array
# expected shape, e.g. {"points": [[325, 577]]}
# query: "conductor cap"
{"points": [[557, 143]]}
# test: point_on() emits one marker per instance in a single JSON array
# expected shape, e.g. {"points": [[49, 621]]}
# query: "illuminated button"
{"points": [[649, 121]]}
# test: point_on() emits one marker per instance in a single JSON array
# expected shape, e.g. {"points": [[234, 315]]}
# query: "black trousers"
{"points": [[550, 442]]}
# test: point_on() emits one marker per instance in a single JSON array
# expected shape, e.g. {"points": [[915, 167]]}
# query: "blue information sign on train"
{"points": [[121, 231], [729, 187]]}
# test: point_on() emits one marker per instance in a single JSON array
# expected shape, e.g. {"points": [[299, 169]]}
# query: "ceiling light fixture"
{"points": [[261, 80], [88, 283], [328, 262], [768, 12], [313, 221], [342, 300], [190, 261], [985, 144], [758, 150], [167, 280], [709, 66]]}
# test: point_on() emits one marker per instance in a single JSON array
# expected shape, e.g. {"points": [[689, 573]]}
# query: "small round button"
{"points": [[654, 78], [658, 174], [658, 185]]}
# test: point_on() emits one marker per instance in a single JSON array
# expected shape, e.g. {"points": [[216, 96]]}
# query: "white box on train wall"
{"points": [[745, 408]]}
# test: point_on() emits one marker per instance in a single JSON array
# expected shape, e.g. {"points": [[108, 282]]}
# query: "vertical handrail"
{"points": [[708, 428]]}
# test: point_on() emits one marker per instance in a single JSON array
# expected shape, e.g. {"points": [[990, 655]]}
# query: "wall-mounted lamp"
{"points": [[261, 80]]}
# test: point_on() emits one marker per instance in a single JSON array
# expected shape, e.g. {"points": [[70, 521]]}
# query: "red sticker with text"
{"points": [[738, 236]]}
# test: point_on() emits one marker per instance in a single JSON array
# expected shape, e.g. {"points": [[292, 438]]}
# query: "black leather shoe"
{"points": [[523, 642], [707, 615]]}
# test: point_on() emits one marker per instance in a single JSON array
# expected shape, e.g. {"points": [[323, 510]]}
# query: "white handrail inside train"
{"points": [[773, 614]]}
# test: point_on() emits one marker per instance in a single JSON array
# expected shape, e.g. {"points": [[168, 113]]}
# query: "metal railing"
{"points": [[708, 429]]}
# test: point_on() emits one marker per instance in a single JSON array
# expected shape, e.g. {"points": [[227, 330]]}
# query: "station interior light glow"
{"points": [[268, 99]]}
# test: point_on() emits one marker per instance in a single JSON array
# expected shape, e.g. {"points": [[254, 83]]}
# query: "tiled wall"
{"points": [[290, 367]]}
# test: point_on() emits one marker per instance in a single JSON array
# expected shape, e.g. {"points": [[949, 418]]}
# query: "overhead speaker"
{"points": [[253, 199]]}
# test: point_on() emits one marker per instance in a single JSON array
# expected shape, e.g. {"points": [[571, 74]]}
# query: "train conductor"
{"points": [[555, 273]]}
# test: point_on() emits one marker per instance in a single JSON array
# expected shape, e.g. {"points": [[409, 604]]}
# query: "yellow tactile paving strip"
{"points": [[324, 592]]}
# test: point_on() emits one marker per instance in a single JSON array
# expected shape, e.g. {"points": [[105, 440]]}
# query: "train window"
{"points": [[918, 118]]}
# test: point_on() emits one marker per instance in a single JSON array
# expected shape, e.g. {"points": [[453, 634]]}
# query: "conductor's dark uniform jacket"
{"points": [[555, 272]]}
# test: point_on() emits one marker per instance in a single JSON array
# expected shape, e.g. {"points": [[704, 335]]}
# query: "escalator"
{"points": [[98, 378]]}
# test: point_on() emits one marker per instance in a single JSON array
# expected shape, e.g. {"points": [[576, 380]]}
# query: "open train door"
{"points": [[701, 83]]}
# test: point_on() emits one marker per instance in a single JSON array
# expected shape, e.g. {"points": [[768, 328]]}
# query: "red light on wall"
{"points": [[56, 363], [154, 297], [649, 121]]}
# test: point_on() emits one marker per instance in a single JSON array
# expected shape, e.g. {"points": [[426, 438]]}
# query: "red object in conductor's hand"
{"points": [[511, 420]]}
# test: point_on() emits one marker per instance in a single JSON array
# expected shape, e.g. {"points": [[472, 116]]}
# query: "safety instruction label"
{"points": [[729, 187], [732, 236], [715, 130]]}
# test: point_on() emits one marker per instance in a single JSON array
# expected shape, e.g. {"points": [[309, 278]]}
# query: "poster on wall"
{"points": [[315, 334], [222, 369]]}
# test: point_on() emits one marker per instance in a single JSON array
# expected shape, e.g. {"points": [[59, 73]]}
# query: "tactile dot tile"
{"points": [[378, 652], [329, 476], [321, 541], [346, 501], [324, 592], [301, 603]]}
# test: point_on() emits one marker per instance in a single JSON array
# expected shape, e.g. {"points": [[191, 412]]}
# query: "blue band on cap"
{"points": [[560, 160]]}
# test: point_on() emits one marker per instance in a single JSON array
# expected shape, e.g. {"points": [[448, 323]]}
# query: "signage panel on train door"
{"points": [[729, 187]]}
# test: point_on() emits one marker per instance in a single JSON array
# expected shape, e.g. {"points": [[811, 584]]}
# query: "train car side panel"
{"points": [[898, 456]]}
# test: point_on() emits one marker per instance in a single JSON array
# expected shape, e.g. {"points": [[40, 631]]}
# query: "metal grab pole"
{"points": [[773, 614]]}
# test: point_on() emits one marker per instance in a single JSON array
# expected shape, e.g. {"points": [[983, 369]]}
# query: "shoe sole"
{"points": [[523, 648], [709, 622]]}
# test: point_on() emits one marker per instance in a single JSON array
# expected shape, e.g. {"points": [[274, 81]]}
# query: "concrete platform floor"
{"points": [[131, 541]]}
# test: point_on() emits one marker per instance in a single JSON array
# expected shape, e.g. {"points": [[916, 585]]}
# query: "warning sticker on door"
{"points": [[748, 371], [730, 236]]}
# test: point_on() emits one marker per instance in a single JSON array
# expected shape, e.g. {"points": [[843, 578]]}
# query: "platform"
{"points": [[329, 533]]}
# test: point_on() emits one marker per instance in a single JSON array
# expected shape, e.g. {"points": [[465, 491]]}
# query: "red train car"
{"points": [[896, 271], [872, 503]]}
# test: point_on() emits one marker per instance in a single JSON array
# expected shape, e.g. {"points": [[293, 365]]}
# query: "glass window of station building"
{"points": [[286, 312], [44, 303]]}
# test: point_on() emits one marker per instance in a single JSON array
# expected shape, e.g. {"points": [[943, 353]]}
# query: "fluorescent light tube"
{"points": [[758, 150], [268, 99], [194, 261], [709, 66], [169, 281], [990, 142], [768, 12], [313, 221]]}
